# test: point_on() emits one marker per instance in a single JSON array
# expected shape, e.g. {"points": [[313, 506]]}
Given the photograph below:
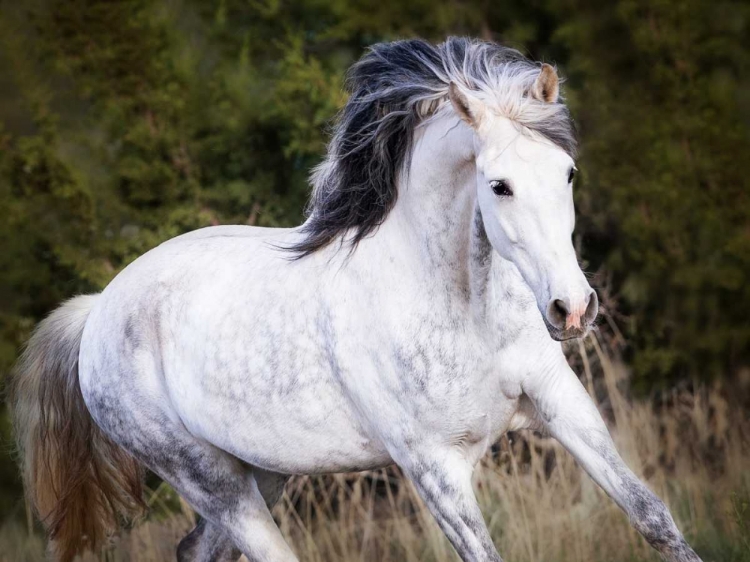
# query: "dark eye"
{"points": [[572, 175], [501, 188]]}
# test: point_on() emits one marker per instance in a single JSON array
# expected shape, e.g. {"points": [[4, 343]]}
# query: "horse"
{"points": [[413, 318]]}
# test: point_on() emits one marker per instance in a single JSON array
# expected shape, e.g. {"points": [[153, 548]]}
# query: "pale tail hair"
{"points": [[81, 485]]}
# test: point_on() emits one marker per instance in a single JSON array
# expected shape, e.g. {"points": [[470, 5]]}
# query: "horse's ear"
{"points": [[468, 109], [546, 88]]}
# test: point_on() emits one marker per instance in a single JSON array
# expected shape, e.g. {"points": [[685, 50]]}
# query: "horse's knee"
{"points": [[652, 519]]}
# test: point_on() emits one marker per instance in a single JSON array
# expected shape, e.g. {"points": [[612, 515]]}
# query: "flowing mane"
{"points": [[394, 88]]}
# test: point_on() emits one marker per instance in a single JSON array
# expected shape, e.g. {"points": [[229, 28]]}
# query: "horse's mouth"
{"points": [[568, 334]]}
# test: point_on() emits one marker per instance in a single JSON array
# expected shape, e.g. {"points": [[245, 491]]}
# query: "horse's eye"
{"points": [[572, 175], [501, 188]]}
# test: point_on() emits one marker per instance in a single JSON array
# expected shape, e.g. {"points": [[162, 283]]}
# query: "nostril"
{"points": [[557, 313], [592, 308], [560, 308]]}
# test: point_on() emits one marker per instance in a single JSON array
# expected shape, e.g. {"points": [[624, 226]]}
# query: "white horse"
{"points": [[407, 321]]}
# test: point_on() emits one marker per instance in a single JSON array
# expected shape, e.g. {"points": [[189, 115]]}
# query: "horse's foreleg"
{"points": [[571, 417], [443, 479]]}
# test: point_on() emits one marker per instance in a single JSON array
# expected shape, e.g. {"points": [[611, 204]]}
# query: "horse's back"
{"points": [[232, 231], [205, 271]]}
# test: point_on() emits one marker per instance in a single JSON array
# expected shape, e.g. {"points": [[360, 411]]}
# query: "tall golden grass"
{"points": [[691, 446]]}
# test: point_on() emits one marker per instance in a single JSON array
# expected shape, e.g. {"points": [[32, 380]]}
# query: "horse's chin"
{"points": [[568, 334]]}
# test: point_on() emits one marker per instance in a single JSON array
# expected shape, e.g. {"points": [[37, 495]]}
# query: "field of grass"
{"points": [[691, 446]]}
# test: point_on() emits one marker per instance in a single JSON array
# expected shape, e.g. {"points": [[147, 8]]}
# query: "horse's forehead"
{"points": [[522, 153], [502, 139]]}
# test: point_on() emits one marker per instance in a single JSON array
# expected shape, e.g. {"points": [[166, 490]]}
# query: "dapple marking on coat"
{"points": [[412, 320]]}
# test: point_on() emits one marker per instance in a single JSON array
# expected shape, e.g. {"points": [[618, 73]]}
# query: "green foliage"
{"points": [[741, 514], [658, 91]]}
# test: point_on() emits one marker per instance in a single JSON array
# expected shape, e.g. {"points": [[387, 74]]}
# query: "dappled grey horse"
{"points": [[412, 319]]}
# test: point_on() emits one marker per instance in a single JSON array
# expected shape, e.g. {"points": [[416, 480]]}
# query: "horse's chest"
{"points": [[477, 419], [436, 382]]}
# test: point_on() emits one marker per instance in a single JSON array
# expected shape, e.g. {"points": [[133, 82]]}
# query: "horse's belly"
{"points": [[299, 424]]}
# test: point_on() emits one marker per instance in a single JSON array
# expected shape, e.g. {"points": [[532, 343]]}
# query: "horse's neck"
{"points": [[436, 212]]}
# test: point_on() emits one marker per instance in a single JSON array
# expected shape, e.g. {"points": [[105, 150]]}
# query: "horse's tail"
{"points": [[80, 483]]}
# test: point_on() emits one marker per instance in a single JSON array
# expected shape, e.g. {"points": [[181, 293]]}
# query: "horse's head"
{"points": [[524, 190]]}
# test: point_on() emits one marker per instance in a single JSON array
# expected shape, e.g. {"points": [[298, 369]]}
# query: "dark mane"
{"points": [[392, 89]]}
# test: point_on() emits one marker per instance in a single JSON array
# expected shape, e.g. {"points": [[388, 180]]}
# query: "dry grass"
{"points": [[693, 450]]}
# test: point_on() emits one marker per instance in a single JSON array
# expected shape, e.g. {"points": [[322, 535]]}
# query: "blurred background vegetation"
{"points": [[127, 122]]}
